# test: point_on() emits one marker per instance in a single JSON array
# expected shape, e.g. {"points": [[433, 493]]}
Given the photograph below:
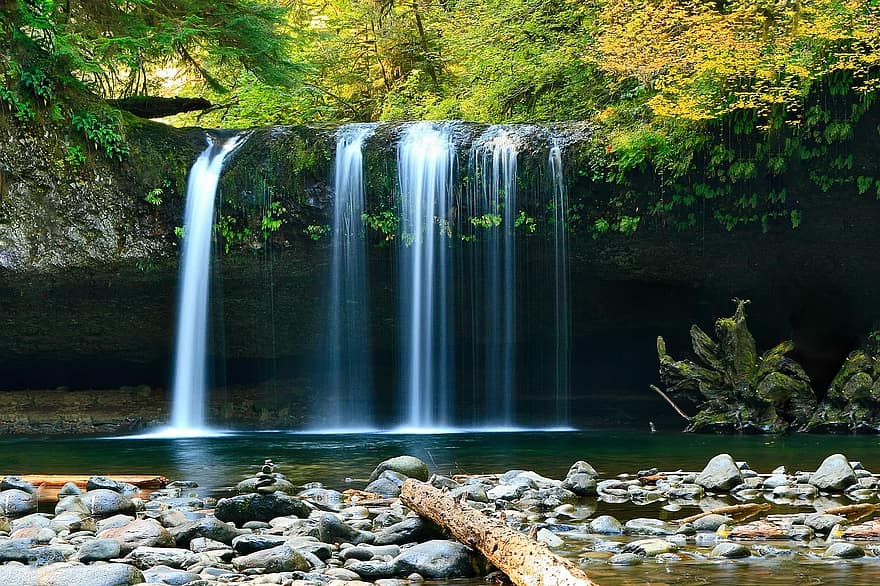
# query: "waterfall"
{"points": [[562, 310], [493, 163], [348, 391], [425, 157], [190, 362]]}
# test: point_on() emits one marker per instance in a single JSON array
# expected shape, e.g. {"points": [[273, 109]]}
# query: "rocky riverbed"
{"points": [[270, 531]]}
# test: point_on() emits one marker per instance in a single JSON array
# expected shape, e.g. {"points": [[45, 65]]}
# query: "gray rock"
{"points": [[409, 466], [102, 502], [332, 529], [407, 531], [835, 473], [148, 557], [18, 483], [775, 480], [844, 550], [277, 559], [15, 575], [372, 570], [17, 503], [325, 499], [33, 520], [437, 560], [342, 574], [98, 550], [472, 492], [260, 507], [650, 547], [822, 523], [203, 544], [114, 521], [649, 527], [279, 484], [22, 550], [710, 522], [170, 576], [92, 575], [582, 467], [102, 482], [139, 533], [721, 473], [580, 484], [384, 487], [730, 550], [606, 525], [245, 544], [73, 522], [72, 504], [69, 489], [625, 559], [208, 527]]}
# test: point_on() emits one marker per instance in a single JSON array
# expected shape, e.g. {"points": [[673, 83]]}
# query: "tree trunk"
{"points": [[526, 562], [159, 107]]}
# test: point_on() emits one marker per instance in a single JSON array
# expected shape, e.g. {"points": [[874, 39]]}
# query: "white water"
{"points": [[494, 162], [562, 313], [190, 361], [425, 158], [348, 392]]}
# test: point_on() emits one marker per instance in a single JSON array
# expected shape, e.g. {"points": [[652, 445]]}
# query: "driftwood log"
{"points": [[59, 480], [526, 562], [740, 512]]}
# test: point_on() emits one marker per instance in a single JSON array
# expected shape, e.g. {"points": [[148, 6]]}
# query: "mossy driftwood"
{"points": [[526, 562], [852, 403], [732, 387]]}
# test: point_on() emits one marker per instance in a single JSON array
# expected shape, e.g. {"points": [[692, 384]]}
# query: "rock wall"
{"points": [[88, 273]]}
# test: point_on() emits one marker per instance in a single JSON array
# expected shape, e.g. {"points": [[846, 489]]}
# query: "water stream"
{"points": [[190, 368], [347, 401], [425, 157]]}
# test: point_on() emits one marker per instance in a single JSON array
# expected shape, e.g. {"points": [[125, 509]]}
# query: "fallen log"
{"points": [[739, 512], [159, 107], [59, 480], [854, 512], [869, 531], [526, 562]]}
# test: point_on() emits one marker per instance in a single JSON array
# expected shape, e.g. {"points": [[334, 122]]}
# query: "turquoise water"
{"points": [[219, 462], [344, 461]]}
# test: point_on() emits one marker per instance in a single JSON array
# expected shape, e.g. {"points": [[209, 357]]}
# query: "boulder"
{"points": [[92, 575], [245, 544], [606, 525], [139, 533], [102, 502], [276, 559], [209, 527], [17, 503], [437, 560], [332, 529], [98, 550], [102, 482], [260, 507], [409, 466], [720, 474], [730, 550], [835, 473], [18, 483], [407, 531], [169, 576], [148, 557]]}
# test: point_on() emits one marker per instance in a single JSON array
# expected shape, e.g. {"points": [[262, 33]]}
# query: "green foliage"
{"points": [[385, 222], [316, 231], [232, 234], [155, 195], [103, 129], [180, 232], [487, 221], [525, 222], [75, 156], [271, 221]]}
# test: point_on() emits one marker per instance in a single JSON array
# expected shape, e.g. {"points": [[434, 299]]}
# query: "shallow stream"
{"points": [[346, 460]]}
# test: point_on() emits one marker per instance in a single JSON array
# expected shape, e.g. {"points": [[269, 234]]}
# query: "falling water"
{"points": [[562, 313], [493, 162], [190, 363], [425, 158], [349, 384]]}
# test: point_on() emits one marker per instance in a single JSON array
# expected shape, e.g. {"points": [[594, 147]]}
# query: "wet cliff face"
{"points": [[89, 272]]}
